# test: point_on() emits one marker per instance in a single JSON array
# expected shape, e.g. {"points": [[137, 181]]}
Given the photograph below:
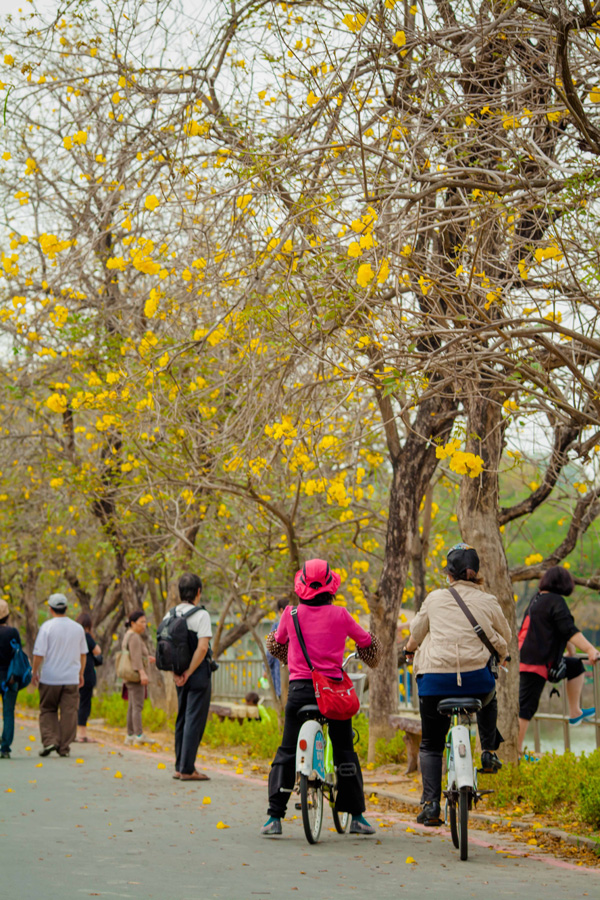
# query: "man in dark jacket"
{"points": [[9, 697]]}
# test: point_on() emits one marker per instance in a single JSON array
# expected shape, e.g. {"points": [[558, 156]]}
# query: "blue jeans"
{"points": [[275, 673], [8, 719]]}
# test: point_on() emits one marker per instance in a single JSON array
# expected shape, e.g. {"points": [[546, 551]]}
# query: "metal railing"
{"points": [[564, 716], [236, 677]]}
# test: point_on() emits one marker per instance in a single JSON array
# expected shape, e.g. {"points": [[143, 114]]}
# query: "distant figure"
{"points": [[548, 629], [274, 664], [135, 683], [194, 685], [93, 659], [60, 651], [9, 696], [251, 698]]}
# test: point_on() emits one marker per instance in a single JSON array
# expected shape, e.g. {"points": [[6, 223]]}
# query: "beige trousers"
{"points": [[55, 699], [136, 693]]}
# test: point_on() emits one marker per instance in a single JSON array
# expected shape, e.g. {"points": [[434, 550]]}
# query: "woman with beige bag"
{"points": [[132, 667]]}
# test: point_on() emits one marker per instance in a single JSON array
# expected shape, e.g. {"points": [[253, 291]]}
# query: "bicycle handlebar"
{"points": [[347, 660]]}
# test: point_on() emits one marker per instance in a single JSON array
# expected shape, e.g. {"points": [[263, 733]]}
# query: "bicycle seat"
{"points": [[465, 704], [311, 711]]}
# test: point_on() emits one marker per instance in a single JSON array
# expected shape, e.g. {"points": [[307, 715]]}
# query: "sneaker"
{"points": [[5, 754], [46, 751], [359, 825], [588, 713], [143, 739], [490, 764], [272, 827], [430, 815]]}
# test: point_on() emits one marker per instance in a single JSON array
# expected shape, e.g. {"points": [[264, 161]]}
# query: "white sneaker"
{"points": [[143, 739], [130, 739]]}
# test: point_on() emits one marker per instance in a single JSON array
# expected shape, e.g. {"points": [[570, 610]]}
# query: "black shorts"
{"points": [[531, 686]]}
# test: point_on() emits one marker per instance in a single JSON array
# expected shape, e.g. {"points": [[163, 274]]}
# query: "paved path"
{"points": [[71, 830]]}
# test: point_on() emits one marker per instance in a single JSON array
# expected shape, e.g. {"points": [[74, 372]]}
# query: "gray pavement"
{"points": [[70, 830]]}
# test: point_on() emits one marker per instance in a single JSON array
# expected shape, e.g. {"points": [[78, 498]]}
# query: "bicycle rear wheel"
{"points": [[463, 823], [311, 802], [453, 823], [340, 820]]}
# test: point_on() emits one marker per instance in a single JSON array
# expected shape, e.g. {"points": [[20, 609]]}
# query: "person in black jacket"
{"points": [[548, 630], [93, 659], [9, 697]]}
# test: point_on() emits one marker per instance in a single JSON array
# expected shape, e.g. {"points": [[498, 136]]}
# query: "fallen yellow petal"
{"points": [[28, 748], [10, 791], [39, 765], [410, 830], [161, 766], [206, 801], [80, 761], [31, 737], [118, 775], [410, 861], [222, 825]]}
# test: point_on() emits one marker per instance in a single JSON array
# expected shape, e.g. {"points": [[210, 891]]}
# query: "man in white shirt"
{"points": [[194, 685], [60, 652]]}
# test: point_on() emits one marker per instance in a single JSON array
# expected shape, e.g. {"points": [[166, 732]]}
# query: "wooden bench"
{"points": [[239, 711], [411, 726]]}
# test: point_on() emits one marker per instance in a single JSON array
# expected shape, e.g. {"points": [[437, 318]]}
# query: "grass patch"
{"points": [[565, 785]]}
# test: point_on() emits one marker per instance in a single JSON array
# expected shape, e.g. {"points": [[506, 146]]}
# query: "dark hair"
{"points": [[558, 580], [252, 698], [470, 575], [282, 603], [4, 620], [85, 620], [134, 616], [322, 599], [189, 585]]}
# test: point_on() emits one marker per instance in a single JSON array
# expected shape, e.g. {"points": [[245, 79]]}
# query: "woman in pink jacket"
{"points": [[325, 628]]}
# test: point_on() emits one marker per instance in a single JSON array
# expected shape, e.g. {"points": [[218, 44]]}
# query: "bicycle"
{"points": [[462, 792], [316, 773]]}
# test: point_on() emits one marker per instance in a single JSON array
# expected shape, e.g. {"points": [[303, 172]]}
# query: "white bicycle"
{"points": [[316, 773], [461, 794]]}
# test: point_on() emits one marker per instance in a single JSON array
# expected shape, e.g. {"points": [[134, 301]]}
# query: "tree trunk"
{"points": [[413, 467], [30, 608], [478, 520]]}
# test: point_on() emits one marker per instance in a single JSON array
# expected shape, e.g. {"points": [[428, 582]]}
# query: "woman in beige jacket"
{"points": [[452, 661], [136, 690]]}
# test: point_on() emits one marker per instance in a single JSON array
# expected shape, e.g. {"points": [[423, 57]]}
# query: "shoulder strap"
{"points": [[301, 638], [474, 623]]}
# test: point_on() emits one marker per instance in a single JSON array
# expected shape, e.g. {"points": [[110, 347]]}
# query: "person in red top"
{"points": [[325, 628], [548, 629]]}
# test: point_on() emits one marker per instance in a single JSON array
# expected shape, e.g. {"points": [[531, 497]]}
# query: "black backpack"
{"points": [[174, 649]]}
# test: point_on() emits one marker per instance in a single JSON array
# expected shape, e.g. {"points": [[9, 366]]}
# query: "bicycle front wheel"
{"points": [[311, 801], [463, 823]]}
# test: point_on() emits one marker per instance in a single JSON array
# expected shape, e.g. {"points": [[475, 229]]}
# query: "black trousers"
{"points": [[193, 704], [435, 728], [85, 702], [282, 777]]}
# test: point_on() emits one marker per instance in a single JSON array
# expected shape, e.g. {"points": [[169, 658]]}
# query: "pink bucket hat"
{"points": [[315, 577]]}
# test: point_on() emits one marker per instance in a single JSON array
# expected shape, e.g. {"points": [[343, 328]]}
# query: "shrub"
{"points": [[589, 801]]}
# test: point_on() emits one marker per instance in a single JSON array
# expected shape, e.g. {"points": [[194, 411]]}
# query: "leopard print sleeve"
{"points": [[371, 654], [279, 651]]}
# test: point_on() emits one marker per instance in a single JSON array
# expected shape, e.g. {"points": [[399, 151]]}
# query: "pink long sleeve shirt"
{"points": [[324, 629]]}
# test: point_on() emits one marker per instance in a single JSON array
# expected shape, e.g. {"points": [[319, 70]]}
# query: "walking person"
{"points": [[453, 661], [136, 676], [194, 684], [93, 659], [59, 654], [325, 629], [9, 694], [548, 629], [273, 662]]}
